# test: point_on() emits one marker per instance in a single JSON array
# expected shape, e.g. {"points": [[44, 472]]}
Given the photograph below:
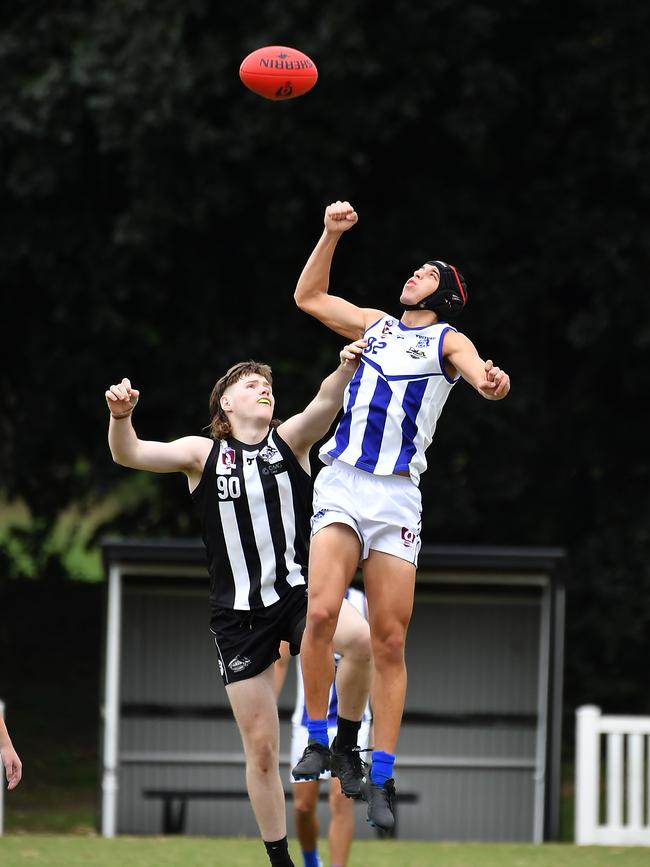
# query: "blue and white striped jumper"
{"points": [[393, 402]]}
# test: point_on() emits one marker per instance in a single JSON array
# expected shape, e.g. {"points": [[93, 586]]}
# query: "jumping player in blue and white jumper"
{"points": [[367, 503]]}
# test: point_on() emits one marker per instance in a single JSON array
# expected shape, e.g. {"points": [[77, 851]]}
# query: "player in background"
{"points": [[306, 792], [367, 502], [9, 758], [250, 482]]}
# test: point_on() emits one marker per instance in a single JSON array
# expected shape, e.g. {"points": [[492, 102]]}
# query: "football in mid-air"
{"points": [[278, 72]]}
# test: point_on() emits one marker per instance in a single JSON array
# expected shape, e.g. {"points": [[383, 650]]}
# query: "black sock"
{"points": [[278, 853], [347, 732]]}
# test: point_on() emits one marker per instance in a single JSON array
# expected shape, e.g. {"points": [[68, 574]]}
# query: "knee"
{"points": [[358, 647], [340, 806], [388, 647], [303, 808], [321, 619], [262, 755]]}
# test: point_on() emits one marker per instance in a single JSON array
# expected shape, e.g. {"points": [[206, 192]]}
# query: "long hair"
{"points": [[219, 426]]}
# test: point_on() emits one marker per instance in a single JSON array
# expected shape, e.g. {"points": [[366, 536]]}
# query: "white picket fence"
{"points": [[622, 816]]}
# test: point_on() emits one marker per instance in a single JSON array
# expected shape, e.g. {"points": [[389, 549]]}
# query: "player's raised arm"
{"points": [[491, 382], [301, 431], [311, 293], [186, 455], [13, 767]]}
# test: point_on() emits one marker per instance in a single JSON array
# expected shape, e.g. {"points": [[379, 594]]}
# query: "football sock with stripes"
{"points": [[382, 767], [278, 853], [347, 732], [317, 729]]}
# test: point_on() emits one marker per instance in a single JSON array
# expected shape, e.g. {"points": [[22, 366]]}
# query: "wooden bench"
{"points": [[174, 802]]}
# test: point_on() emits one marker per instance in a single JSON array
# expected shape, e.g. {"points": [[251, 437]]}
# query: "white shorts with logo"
{"points": [[384, 511], [299, 736]]}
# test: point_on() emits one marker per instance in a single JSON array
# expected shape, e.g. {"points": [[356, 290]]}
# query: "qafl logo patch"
{"points": [[408, 537], [228, 458]]}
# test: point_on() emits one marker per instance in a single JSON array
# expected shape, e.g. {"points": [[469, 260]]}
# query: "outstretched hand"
{"points": [[122, 398], [13, 766], [351, 353], [339, 217], [496, 384]]}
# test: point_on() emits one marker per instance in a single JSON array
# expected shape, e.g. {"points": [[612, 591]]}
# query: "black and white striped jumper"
{"points": [[254, 502]]}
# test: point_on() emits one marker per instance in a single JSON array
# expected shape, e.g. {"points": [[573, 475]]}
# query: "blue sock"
{"points": [[382, 767], [317, 729], [311, 858]]}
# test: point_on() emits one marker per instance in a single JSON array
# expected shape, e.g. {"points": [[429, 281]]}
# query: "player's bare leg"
{"points": [[333, 559], [351, 640], [341, 829], [255, 709], [305, 799], [389, 583]]}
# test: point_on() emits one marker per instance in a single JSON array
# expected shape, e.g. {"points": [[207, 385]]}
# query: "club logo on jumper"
{"points": [[273, 460], [414, 352], [268, 453], [388, 324], [408, 537], [424, 342], [239, 663], [228, 458]]}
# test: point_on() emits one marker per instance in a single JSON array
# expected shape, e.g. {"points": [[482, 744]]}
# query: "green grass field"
{"points": [[18, 850]]}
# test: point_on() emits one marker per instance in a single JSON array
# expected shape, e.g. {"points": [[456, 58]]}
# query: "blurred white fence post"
{"points": [[2, 781], [111, 704], [587, 773], [626, 779]]}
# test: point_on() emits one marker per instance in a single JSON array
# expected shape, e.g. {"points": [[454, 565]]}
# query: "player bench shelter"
{"points": [[479, 751]]}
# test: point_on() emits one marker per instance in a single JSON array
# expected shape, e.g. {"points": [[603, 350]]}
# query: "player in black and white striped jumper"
{"points": [[250, 481]]}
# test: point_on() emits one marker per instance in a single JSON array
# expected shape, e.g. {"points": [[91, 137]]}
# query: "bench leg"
{"points": [[174, 812]]}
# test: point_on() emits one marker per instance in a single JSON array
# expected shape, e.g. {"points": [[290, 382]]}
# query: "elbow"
{"points": [[118, 458], [308, 299], [299, 298]]}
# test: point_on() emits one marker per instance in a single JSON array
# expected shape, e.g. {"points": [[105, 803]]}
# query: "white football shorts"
{"points": [[299, 736], [384, 511]]}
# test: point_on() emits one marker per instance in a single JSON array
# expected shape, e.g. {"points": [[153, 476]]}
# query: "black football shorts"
{"points": [[248, 642]]}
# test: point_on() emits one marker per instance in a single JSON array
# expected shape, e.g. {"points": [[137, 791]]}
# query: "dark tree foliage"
{"points": [[155, 216]]}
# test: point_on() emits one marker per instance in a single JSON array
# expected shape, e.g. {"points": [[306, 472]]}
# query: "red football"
{"points": [[278, 72]]}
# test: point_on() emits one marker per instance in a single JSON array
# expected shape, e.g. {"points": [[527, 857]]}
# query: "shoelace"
{"points": [[389, 793], [358, 765], [317, 748]]}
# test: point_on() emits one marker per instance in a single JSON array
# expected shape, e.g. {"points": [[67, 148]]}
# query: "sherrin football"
{"points": [[278, 72]]}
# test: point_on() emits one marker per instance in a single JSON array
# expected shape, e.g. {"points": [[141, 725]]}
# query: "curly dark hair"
{"points": [[219, 426]]}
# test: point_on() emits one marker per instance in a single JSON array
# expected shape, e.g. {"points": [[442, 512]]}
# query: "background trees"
{"points": [[155, 216]]}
